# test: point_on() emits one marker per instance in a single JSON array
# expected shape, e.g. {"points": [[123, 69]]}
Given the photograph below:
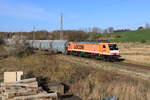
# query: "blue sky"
{"points": [[22, 15]]}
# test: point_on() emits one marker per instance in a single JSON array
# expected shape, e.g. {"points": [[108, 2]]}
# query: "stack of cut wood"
{"points": [[25, 90]]}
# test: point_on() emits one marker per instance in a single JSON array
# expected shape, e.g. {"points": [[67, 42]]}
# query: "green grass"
{"points": [[142, 36]]}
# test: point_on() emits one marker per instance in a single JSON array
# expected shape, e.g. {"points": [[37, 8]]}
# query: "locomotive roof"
{"points": [[93, 42], [98, 42], [86, 42]]}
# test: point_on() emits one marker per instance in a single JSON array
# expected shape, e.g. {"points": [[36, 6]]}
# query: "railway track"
{"points": [[122, 63], [125, 64], [132, 65], [118, 63]]}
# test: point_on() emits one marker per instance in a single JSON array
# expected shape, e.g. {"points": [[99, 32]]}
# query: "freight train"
{"points": [[103, 50]]}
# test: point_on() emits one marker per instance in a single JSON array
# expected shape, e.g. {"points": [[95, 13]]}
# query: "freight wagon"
{"points": [[55, 45]]}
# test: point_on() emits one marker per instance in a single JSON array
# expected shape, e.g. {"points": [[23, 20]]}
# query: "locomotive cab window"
{"points": [[113, 47], [104, 46]]}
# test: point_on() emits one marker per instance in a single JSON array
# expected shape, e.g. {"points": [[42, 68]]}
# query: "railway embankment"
{"points": [[88, 78]]}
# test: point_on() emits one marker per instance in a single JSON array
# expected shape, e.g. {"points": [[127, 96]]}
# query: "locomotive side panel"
{"points": [[90, 48], [105, 51]]}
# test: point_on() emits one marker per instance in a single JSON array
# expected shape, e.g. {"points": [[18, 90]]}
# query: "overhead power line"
{"points": [[61, 27]]}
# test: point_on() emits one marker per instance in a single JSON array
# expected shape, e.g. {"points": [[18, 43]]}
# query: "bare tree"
{"points": [[17, 46], [110, 29], [97, 30], [147, 26]]}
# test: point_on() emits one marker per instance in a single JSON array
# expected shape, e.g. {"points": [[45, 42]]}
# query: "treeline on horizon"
{"points": [[71, 35], [94, 33]]}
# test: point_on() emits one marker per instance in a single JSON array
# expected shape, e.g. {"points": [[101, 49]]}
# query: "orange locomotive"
{"points": [[102, 50]]}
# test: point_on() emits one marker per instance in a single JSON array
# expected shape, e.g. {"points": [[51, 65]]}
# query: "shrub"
{"points": [[94, 36], [17, 46], [143, 41], [118, 36], [2, 42]]}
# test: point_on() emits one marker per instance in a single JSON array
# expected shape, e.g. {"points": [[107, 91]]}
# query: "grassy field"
{"points": [[86, 77], [133, 36], [141, 36], [135, 52], [134, 45]]}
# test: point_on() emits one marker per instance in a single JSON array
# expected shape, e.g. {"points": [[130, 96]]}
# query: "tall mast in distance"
{"points": [[33, 33], [61, 27]]}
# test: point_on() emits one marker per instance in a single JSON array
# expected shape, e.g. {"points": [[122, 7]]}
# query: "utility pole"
{"points": [[33, 34], [61, 27], [20, 35]]}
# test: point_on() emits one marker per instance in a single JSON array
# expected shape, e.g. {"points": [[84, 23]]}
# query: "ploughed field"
{"points": [[88, 78]]}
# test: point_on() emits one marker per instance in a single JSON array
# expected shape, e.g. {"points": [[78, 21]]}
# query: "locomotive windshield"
{"points": [[113, 47]]}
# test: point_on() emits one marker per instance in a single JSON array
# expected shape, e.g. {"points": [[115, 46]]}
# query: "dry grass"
{"points": [[98, 86], [2, 50], [85, 79], [135, 52]]}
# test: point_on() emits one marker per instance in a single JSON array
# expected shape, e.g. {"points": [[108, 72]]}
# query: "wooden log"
{"points": [[31, 80], [34, 85], [10, 89], [1, 89], [10, 94], [20, 89], [19, 84], [23, 93], [3, 98], [38, 96]]}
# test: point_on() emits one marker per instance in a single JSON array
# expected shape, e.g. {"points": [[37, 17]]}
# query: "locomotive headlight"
{"points": [[114, 52]]}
